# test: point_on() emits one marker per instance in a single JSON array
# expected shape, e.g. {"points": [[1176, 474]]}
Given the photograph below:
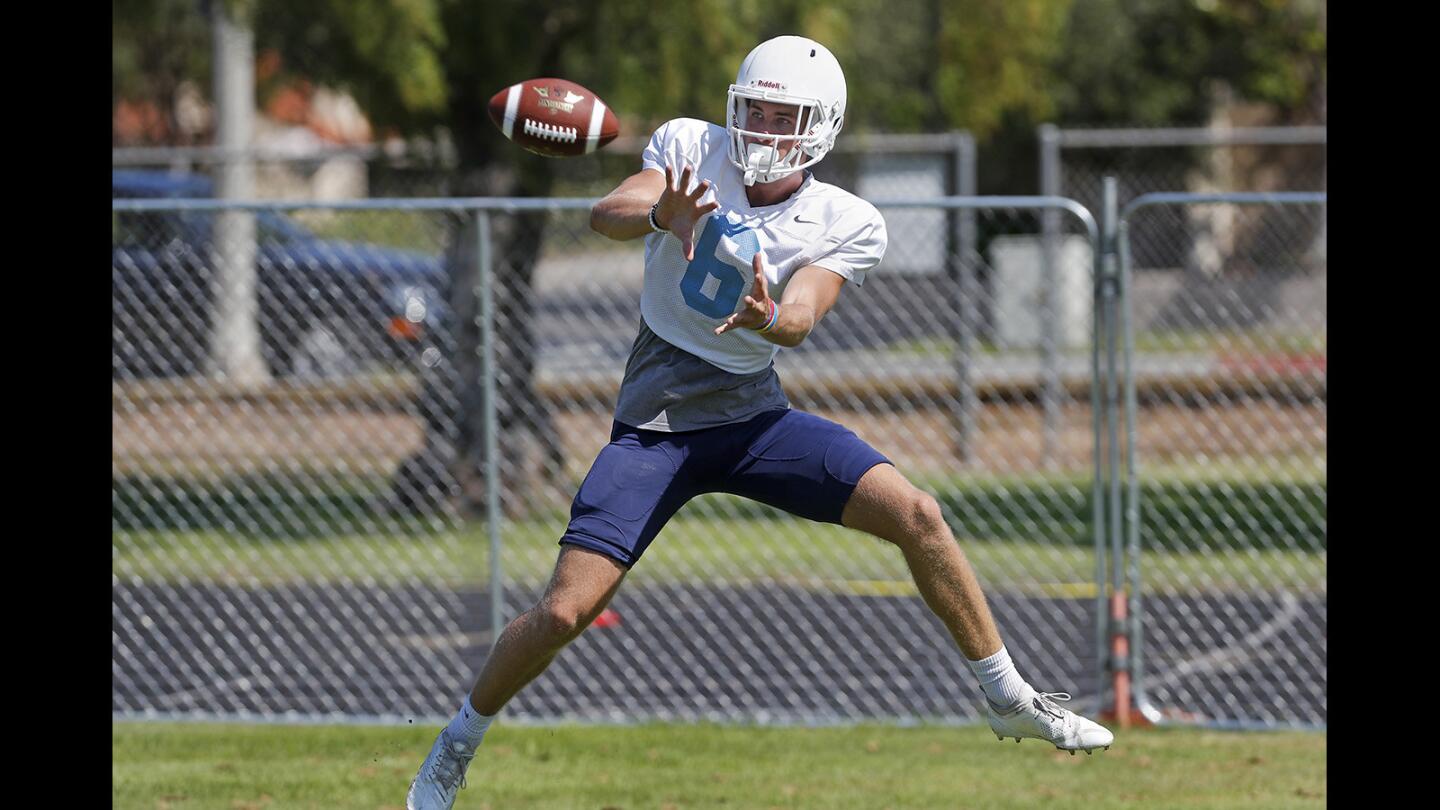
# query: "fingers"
{"points": [[680, 214], [682, 187], [732, 322], [752, 307], [762, 287]]}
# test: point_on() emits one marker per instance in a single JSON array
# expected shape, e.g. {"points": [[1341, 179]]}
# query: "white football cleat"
{"points": [[1040, 717], [441, 775]]}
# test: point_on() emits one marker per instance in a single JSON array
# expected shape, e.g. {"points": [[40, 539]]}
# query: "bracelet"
{"points": [[655, 224], [774, 316]]}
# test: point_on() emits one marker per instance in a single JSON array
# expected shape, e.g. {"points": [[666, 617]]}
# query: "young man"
{"points": [[701, 409]]}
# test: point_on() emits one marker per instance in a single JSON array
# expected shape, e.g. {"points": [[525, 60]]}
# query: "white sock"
{"points": [[469, 726], [1001, 682]]}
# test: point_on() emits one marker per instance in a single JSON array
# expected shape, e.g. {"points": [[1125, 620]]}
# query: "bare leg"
{"points": [[582, 585], [888, 506]]}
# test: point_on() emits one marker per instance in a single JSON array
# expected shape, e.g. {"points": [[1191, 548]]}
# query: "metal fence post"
{"points": [[1119, 651], [493, 515], [1136, 623], [1050, 329], [1097, 485], [968, 290]]}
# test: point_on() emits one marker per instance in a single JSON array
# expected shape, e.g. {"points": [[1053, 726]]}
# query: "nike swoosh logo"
{"points": [[806, 221]]}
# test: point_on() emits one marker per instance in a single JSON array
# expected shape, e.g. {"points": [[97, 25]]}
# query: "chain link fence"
{"points": [[1216, 159], [1226, 444], [873, 165], [316, 541], [338, 534], [309, 172]]}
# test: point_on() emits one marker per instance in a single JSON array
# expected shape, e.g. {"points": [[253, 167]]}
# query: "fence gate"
{"points": [[1224, 496]]}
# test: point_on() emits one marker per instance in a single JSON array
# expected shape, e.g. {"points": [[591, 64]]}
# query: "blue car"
{"points": [[326, 307]]}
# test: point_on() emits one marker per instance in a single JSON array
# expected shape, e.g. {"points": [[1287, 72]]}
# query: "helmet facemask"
{"points": [[814, 135]]}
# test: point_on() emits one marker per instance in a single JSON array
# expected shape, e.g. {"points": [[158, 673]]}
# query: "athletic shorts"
{"points": [[795, 461]]}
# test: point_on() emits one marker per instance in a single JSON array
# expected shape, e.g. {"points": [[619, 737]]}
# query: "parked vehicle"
{"points": [[326, 307]]}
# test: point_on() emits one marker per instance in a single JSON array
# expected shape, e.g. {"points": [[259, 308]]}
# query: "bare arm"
{"points": [[625, 212], [811, 292]]}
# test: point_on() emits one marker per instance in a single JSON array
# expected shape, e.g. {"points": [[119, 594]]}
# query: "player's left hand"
{"points": [[757, 304]]}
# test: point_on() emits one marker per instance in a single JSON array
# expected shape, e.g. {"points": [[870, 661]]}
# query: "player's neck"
{"points": [[779, 191]]}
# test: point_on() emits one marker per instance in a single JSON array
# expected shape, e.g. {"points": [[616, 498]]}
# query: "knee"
{"points": [[912, 519], [559, 621], [923, 519]]}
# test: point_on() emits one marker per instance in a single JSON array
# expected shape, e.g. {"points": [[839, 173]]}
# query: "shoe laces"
{"points": [[448, 767], [1045, 702]]}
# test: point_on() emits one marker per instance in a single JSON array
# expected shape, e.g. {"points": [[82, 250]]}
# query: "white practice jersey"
{"points": [[820, 224]]}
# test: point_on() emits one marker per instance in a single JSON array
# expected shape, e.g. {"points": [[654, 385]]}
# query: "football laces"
{"points": [[547, 132]]}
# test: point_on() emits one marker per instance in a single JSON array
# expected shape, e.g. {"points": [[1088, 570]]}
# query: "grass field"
{"points": [[1027, 534], [701, 548], [238, 767]]}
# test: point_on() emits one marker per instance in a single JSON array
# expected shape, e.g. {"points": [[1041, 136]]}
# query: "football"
{"points": [[553, 117]]}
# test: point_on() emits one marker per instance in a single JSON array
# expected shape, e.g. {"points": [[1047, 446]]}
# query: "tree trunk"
{"points": [[450, 469]]}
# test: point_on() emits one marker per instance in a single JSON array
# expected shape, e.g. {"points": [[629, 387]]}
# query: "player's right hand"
{"points": [[680, 208]]}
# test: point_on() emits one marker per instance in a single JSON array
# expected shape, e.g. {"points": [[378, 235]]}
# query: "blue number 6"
{"points": [[717, 298]]}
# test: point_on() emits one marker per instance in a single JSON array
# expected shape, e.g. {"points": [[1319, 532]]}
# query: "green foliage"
{"points": [[387, 53], [977, 81], [995, 67], [1155, 62], [155, 45]]}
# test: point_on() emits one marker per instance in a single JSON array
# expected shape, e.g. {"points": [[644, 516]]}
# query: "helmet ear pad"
{"points": [[824, 134]]}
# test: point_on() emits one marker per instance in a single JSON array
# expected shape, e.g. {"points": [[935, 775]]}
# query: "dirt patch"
{"points": [[223, 438]]}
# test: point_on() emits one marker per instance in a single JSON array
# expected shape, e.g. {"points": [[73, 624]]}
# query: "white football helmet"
{"points": [[786, 70]]}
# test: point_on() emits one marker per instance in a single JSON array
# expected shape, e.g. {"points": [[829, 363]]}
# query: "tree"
{"points": [[419, 65], [1148, 62], [406, 64], [156, 46]]}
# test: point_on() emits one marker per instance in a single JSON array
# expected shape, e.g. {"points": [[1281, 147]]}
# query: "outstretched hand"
{"points": [[680, 209], [757, 304]]}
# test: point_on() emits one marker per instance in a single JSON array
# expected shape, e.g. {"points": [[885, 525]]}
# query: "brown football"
{"points": [[553, 117]]}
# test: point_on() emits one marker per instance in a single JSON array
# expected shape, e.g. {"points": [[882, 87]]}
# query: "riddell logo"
{"points": [[766, 83]]}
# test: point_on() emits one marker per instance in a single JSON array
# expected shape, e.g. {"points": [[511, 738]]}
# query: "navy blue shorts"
{"points": [[795, 461]]}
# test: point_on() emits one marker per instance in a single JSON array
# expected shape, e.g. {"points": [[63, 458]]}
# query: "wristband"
{"points": [[774, 316], [654, 224]]}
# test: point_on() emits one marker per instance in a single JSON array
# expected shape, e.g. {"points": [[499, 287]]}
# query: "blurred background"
{"points": [[348, 418], [400, 88]]}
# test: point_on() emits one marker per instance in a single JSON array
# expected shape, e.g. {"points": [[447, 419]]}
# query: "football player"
{"points": [[745, 252]]}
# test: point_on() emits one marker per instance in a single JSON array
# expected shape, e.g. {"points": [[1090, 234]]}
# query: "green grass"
{"points": [[237, 767], [423, 231], [697, 549], [1202, 529]]}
